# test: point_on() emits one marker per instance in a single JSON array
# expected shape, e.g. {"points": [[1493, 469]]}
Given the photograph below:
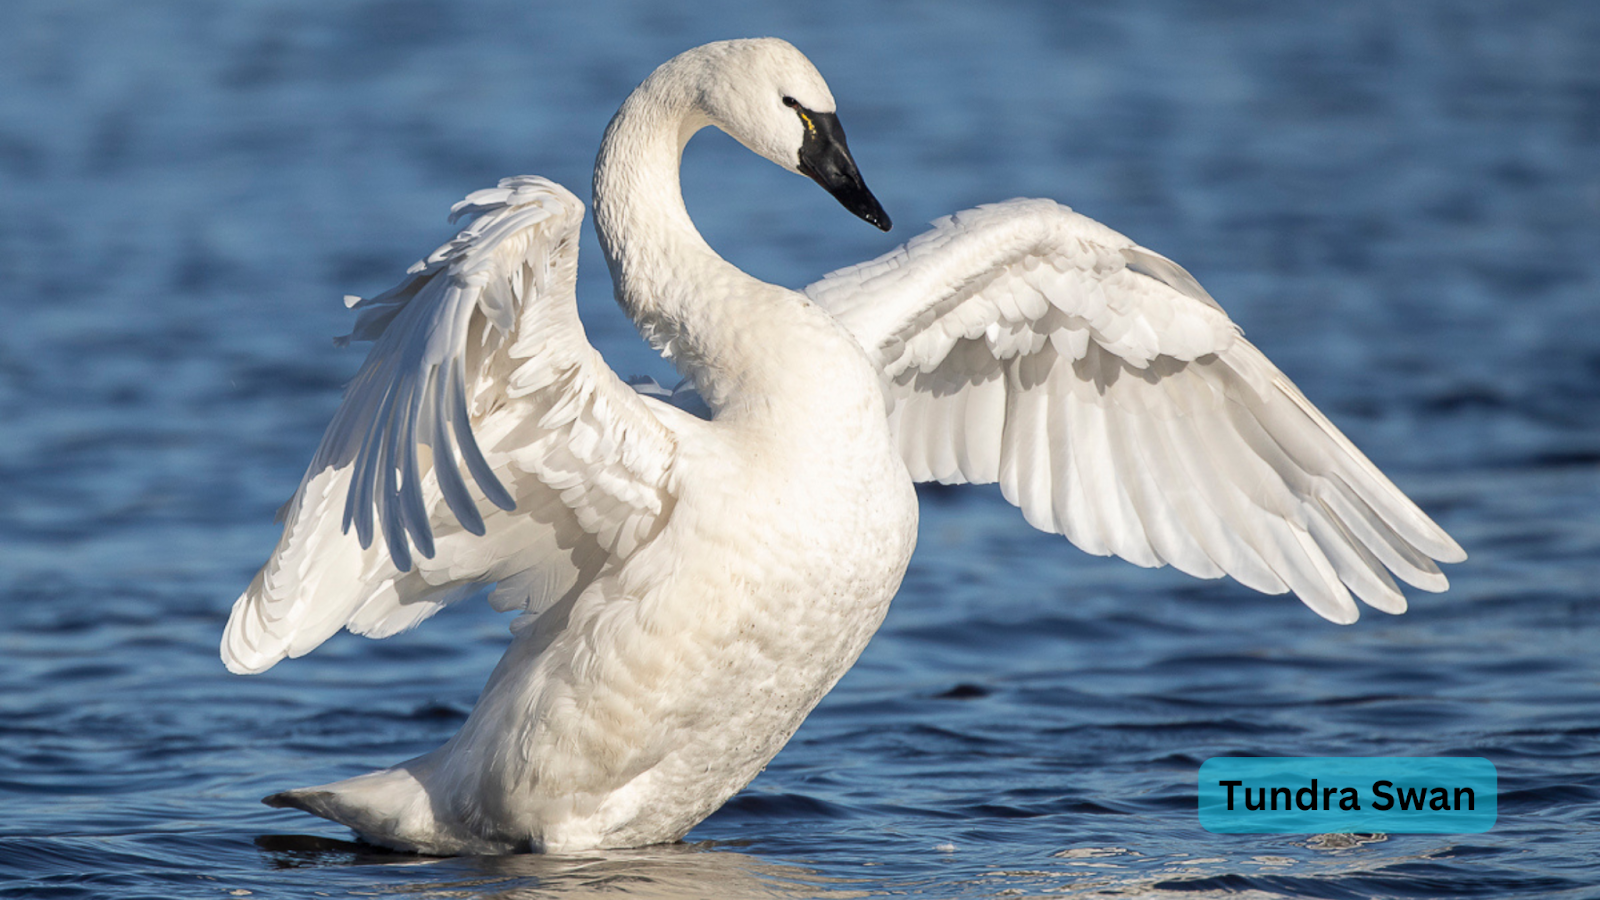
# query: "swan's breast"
{"points": [[769, 586]]}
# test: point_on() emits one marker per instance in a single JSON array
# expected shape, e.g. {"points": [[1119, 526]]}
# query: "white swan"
{"points": [[691, 588]]}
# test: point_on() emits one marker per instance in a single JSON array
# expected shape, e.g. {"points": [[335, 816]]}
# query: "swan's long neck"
{"points": [[638, 204], [688, 302]]}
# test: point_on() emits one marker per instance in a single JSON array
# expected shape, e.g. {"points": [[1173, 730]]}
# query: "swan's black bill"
{"points": [[825, 159]]}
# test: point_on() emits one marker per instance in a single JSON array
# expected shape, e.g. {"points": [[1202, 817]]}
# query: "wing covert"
{"points": [[411, 391]]}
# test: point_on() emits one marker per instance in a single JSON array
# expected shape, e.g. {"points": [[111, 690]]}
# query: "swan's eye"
{"points": [[794, 104]]}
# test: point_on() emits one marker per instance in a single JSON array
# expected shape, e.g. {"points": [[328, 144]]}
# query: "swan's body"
{"points": [[691, 588]]}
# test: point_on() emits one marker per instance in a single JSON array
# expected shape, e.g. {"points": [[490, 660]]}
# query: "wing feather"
{"points": [[479, 362], [1117, 404]]}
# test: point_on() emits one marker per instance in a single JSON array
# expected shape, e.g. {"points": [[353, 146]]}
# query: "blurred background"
{"points": [[1399, 202]]}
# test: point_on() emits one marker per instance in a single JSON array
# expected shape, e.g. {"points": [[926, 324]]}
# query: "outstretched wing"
{"points": [[1117, 404], [479, 361]]}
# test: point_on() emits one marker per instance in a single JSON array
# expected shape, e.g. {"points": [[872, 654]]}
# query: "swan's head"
{"points": [[770, 98]]}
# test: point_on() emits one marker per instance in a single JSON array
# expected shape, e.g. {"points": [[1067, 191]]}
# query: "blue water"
{"points": [[1399, 202]]}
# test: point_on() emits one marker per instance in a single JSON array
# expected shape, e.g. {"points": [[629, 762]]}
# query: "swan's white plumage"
{"points": [[692, 586]]}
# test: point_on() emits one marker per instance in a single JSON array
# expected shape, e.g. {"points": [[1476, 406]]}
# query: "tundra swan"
{"points": [[690, 588]]}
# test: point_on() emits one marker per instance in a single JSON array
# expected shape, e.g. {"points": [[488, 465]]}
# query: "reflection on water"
{"points": [[1399, 202], [671, 872], [698, 870]]}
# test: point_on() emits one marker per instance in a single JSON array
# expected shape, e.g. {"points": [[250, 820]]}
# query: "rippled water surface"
{"points": [[1399, 202]]}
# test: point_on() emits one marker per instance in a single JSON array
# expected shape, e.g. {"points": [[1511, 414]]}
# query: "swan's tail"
{"points": [[391, 808]]}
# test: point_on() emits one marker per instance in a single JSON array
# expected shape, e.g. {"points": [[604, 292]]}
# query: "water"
{"points": [[1398, 201]]}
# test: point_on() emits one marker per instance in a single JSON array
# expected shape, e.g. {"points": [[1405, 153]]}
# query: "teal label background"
{"points": [[1339, 772]]}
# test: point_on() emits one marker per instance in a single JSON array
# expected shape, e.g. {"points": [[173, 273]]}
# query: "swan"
{"points": [[690, 586]]}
